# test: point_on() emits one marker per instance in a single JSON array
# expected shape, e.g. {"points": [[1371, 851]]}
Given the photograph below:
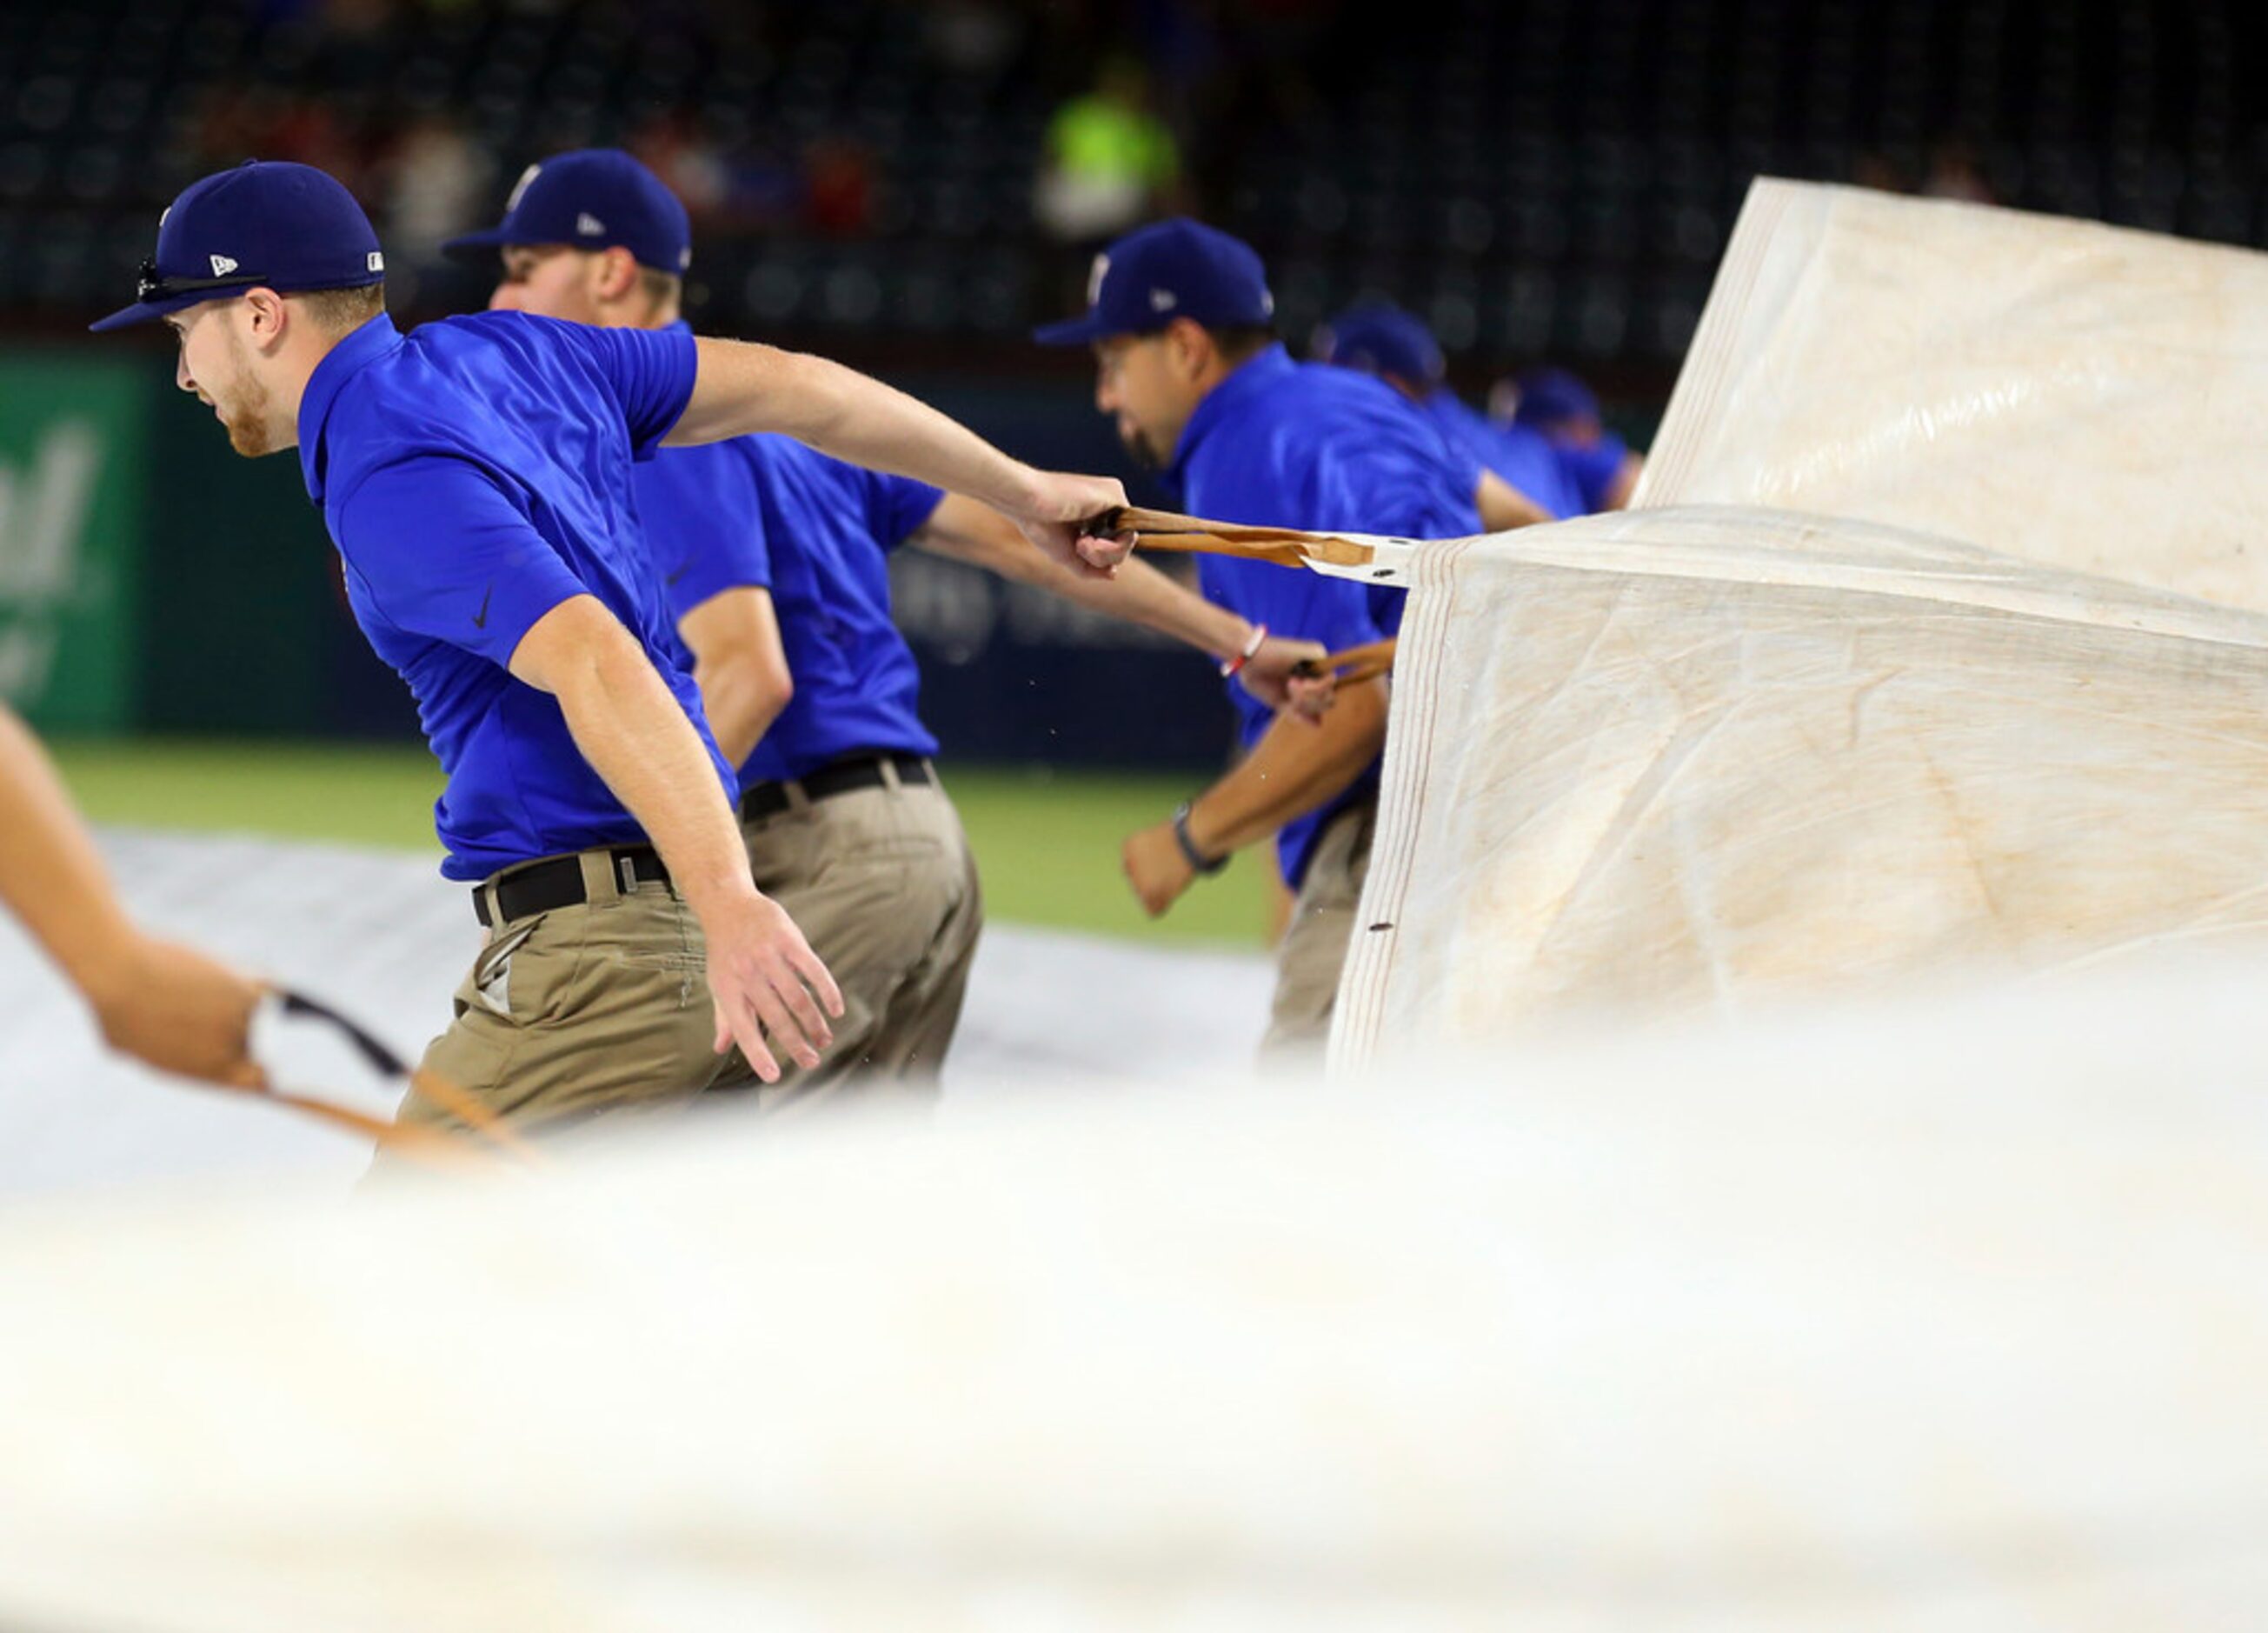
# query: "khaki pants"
{"points": [[1314, 948], [598, 1008], [882, 883]]}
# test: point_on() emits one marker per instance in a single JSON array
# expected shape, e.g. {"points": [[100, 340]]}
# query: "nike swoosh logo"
{"points": [[683, 568], [481, 619]]}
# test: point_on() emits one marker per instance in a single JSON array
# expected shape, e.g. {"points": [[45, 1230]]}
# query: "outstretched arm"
{"points": [[1625, 482], [740, 388], [1504, 506], [168, 1005], [627, 724], [741, 666], [1295, 768], [965, 531]]}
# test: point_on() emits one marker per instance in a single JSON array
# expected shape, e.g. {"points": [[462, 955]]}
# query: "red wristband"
{"points": [[1251, 650]]}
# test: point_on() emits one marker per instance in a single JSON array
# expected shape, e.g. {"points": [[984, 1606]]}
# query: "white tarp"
{"points": [[1942, 1318], [1695, 760], [2082, 395], [383, 936]]}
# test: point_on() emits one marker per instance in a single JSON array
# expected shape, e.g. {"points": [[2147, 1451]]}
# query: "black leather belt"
{"points": [[542, 886], [769, 799]]}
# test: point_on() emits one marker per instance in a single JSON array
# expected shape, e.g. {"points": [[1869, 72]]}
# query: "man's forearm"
{"points": [[741, 707], [739, 666], [632, 730], [1503, 506], [968, 531], [1624, 486], [741, 388], [50, 872], [1295, 768], [629, 726]]}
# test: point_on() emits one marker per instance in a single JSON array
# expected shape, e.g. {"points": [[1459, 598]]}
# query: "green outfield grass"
{"points": [[1048, 841]]}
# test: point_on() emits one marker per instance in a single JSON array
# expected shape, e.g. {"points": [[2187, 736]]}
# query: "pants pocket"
{"points": [[489, 986]]}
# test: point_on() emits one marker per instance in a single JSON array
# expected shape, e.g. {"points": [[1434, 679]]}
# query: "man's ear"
{"points": [[1190, 347], [617, 273], [269, 316]]}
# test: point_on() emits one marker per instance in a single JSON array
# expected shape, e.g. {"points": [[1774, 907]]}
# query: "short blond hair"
{"points": [[663, 291], [339, 311]]}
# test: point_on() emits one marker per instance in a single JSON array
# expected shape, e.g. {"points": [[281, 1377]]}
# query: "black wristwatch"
{"points": [[1198, 861]]}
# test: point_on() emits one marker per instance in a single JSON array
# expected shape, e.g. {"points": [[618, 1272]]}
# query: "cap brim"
{"points": [[150, 311], [470, 245], [1083, 330]]}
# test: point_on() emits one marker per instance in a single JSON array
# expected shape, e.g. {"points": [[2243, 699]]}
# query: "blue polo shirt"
{"points": [[767, 511], [1595, 466], [1566, 478], [1306, 445], [1522, 456], [474, 475]]}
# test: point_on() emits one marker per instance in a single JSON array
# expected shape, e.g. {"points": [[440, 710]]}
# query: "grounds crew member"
{"points": [[476, 477], [774, 562], [1566, 479], [1179, 318], [1559, 407], [168, 1005]]}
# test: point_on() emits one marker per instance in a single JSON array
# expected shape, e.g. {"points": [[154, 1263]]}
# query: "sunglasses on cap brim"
{"points": [[153, 285]]}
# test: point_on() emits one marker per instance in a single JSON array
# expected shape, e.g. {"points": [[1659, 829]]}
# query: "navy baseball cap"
{"points": [[1382, 339], [591, 198], [1172, 269], [262, 225], [1548, 394]]}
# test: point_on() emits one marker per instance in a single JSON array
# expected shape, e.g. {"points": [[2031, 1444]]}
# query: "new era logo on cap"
{"points": [[589, 225], [288, 227], [1162, 273]]}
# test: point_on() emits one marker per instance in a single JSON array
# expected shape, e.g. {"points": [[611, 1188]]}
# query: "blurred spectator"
{"points": [[1364, 158], [1953, 174], [436, 183], [689, 163], [839, 188], [353, 49], [243, 122], [1110, 162], [979, 38], [1872, 168]]}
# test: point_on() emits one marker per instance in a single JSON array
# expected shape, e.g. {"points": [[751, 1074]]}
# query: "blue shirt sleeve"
{"points": [[1340, 610], [651, 370], [897, 507], [1387, 604], [1593, 469], [442, 550], [704, 523], [1418, 496]]}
